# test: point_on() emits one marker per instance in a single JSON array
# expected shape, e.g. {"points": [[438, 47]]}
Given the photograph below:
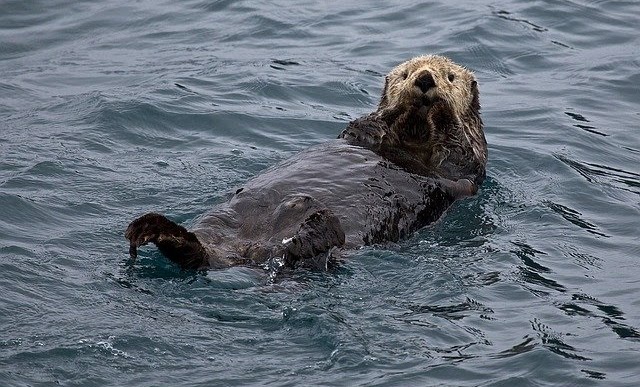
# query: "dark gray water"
{"points": [[111, 109]]}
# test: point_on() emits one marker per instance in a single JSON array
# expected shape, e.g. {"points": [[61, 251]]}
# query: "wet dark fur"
{"points": [[388, 174]]}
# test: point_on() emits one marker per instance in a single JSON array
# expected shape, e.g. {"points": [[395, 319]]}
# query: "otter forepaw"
{"points": [[460, 188]]}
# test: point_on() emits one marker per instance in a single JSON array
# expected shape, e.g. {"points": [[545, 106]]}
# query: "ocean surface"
{"points": [[110, 109]]}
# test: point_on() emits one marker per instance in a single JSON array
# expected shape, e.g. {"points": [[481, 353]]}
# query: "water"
{"points": [[112, 109]]}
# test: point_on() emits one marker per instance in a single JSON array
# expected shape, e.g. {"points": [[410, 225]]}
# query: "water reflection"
{"points": [[610, 316], [553, 341], [574, 217], [583, 124], [594, 172], [532, 271]]}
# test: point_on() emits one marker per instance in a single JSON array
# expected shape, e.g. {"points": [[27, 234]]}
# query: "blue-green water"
{"points": [[112, 109]]}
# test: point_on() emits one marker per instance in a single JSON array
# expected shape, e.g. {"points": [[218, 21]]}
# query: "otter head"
{"points": [[432, 104]]}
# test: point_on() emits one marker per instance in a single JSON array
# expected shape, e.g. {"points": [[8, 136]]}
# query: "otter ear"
{"points": [[384, 100]]}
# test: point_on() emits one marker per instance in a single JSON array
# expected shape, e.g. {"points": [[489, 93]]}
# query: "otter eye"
{"points": [[452, 76], [405, 74]]}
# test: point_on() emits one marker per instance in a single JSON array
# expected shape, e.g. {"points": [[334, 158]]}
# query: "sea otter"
{"points": [[385, 176]]}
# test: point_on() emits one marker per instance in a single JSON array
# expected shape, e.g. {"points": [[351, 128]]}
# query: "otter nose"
{"points": [[425, 82]]}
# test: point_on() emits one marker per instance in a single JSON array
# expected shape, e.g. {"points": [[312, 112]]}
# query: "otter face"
{"points": [[432, 105], [425, 80]]}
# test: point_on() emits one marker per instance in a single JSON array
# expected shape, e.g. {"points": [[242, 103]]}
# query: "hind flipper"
{"points": [[173, 240]]}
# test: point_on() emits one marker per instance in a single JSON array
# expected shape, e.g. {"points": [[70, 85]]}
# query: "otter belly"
{"points": [[346, 196]]}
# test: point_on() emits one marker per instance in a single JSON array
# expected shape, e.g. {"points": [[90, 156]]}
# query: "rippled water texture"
{"points": [[112, 109]]}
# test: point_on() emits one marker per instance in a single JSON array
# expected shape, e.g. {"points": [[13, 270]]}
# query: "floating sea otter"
{"points": [[387, 175]]}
